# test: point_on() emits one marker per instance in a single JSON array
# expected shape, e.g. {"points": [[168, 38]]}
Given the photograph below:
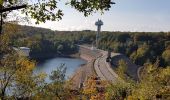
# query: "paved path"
{"points": [[103, 69]]}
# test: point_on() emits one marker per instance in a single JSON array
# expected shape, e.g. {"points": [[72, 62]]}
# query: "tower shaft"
{"points": [[98, 36], [99, 23]]}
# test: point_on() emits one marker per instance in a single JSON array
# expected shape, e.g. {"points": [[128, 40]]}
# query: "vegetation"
{"points": [[153, 84], [42, 10], [16, 76], [17, 80], [45, 43], [154, 81], [140, 47]]}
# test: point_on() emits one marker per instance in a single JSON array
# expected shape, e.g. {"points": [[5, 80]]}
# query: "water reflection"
{"points": [[49, 65]]}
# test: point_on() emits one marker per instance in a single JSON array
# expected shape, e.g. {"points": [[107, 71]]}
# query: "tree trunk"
{"points": [[3, 95]]}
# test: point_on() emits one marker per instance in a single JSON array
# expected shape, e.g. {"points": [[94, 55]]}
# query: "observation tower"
{"points": [[98, 23]]}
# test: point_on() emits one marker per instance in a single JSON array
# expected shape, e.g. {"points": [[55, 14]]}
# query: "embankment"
{"points": [[132, 69], [83, 72]]}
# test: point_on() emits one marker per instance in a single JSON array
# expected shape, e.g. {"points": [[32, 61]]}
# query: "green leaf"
{"points": [[1, 2]]}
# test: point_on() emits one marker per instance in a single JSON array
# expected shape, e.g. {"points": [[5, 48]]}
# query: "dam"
{"points": [[97, 66]]}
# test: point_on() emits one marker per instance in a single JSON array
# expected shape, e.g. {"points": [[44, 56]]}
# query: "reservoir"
{"points": [[51, 64]]}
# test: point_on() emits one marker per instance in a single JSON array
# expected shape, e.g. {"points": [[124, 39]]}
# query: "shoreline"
{"points": [[43, 58], [82, 73]]}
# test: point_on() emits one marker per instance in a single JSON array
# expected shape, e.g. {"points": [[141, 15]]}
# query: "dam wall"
{"points": [[87, 53], [87, 70]]}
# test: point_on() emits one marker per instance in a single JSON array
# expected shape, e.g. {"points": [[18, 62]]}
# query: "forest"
{"points": [[140, 47]]}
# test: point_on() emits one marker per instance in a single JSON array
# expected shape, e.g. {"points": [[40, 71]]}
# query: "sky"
{"points": [[125, 15]]}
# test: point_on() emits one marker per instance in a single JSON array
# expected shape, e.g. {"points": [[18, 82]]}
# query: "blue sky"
{"points": [[125, 15]]}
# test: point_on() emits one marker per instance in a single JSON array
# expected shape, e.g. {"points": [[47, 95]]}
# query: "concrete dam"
{"points": [[97, 65]]}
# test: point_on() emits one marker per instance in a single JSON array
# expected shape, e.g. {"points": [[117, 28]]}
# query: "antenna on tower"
{"points": [[98, 23]]}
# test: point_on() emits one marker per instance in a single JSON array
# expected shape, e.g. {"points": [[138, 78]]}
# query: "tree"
{"points": [[154, 83], [60, 47], [94, 88], [121, 70], [119, 91], [57, 89], [123, 37], [166, 56], [141, 55], [16, 72], [43, 10], [59, 74], [13, 70]]}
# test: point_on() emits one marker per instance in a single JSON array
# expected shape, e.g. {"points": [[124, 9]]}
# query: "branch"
{"points": [[13, 8]]}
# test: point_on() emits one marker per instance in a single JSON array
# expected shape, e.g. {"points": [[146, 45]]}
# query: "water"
{"points": [[49, 65]]}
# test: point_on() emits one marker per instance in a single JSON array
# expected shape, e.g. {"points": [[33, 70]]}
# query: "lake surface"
{"points": [[49, 65]]}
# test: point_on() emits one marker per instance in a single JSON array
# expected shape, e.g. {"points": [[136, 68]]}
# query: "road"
{"points": [[103, 69], [97, 65]]}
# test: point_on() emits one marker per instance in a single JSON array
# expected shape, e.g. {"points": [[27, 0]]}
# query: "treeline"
{"points": [[45, 43], [141, 47]]}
